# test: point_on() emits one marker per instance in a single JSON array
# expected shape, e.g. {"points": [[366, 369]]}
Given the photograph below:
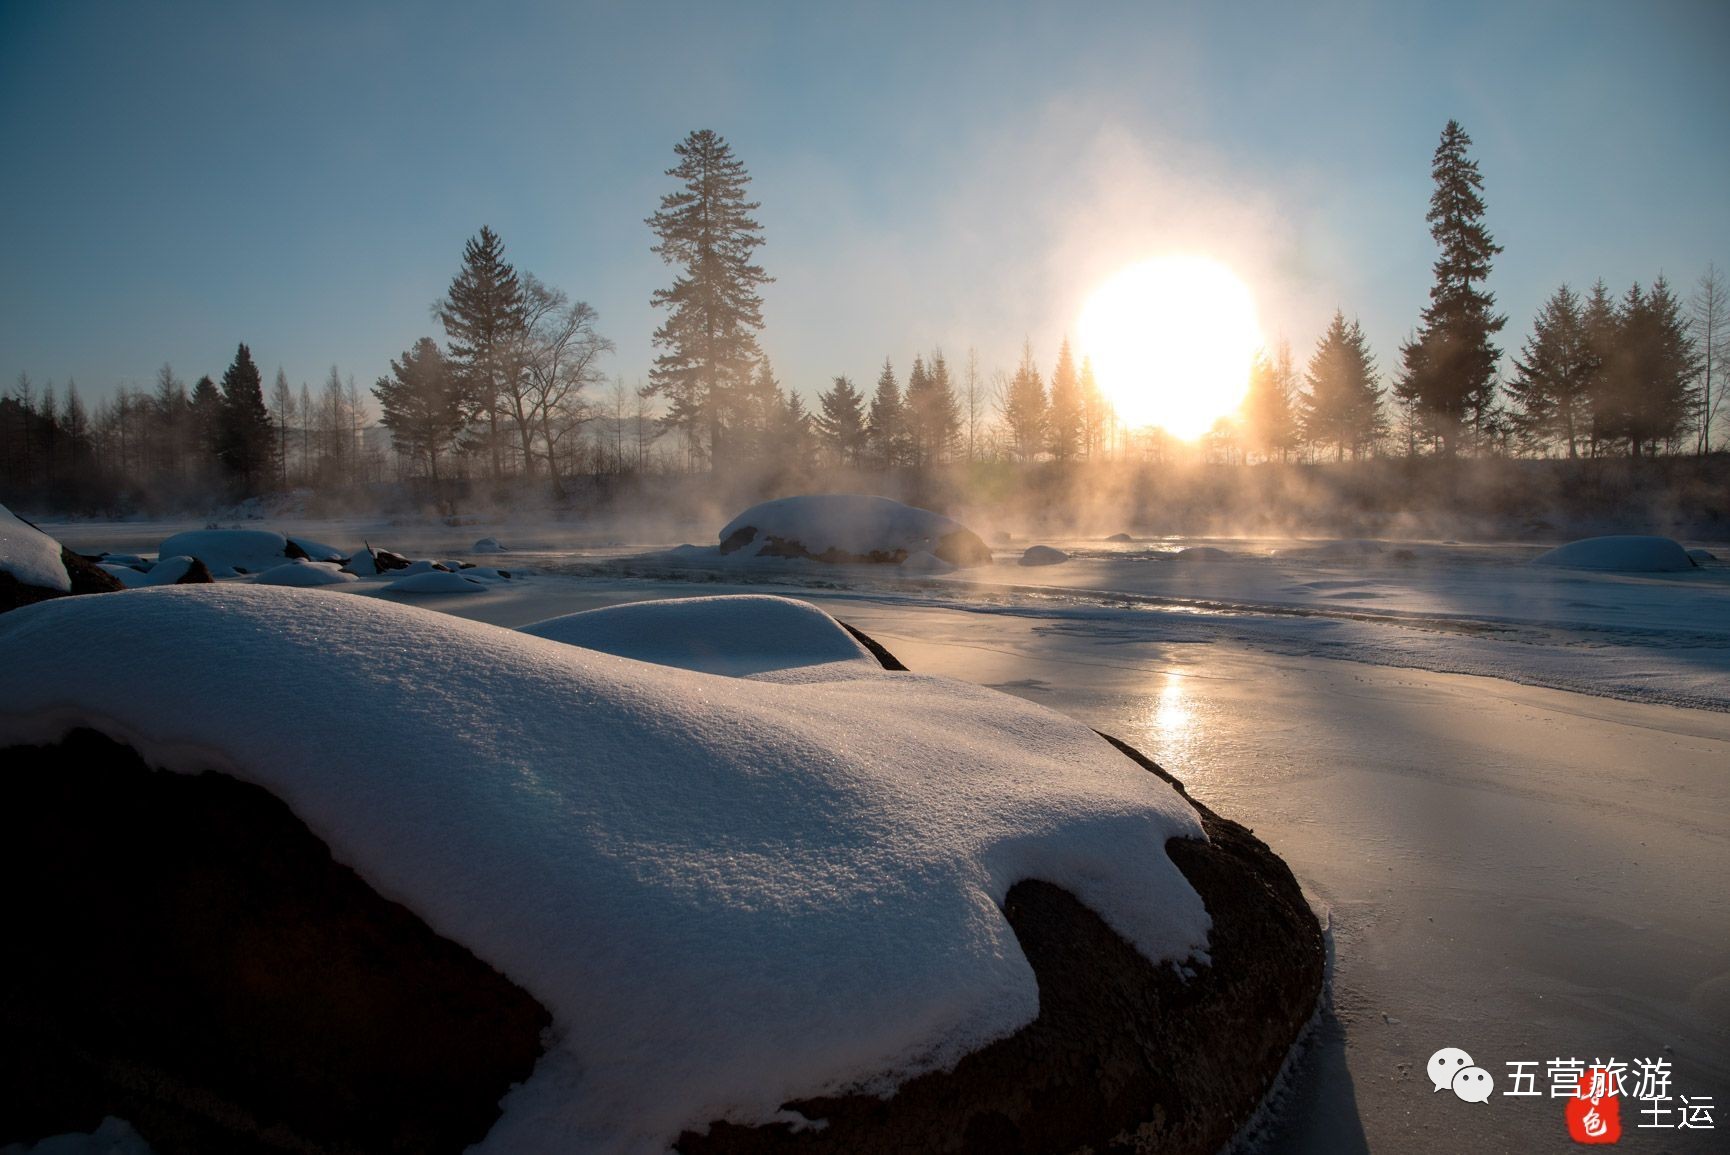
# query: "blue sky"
{"points": [[302, 177]]}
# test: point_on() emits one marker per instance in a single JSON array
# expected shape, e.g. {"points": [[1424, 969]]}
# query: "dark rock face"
{"points": [[960, 548], [1124, 1056], [183, 953], [87, 578], [196, 574]]}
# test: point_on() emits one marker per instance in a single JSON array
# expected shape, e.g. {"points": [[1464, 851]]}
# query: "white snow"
{"points": [[30, 555], [853, 523], [434, 581], [301, 572], [730, 892], [124, 574], [362, 564], [488, 545], [1623, 553], [424, 565], [1043, 555], [229, 551], [738, 635], [167, 571]]}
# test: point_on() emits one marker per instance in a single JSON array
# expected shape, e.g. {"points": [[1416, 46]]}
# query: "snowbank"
{"points": [[436, 581], [846, 527], [1625, 553], [229, 551], [737, 635], [31, 556], [730, 892], [1043, 555], [303, 573]]}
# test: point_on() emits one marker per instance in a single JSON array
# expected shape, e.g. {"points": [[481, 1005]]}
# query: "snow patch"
{"points": [[735, 635], [1622, 553], [730, 892], [30, 555]]}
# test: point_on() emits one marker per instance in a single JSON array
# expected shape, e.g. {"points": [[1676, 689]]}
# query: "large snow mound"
{"points": [[736, 635], [1624, 553], [229, 551], [729, 892], [30, 555], [849, 523], [306, 574]]}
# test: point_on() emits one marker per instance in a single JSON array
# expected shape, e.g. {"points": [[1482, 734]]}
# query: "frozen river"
{"points": [[1505, 788]]}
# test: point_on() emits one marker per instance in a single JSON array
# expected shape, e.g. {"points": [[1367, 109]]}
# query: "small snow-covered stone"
{"points": [[1620, 553], [1043, 555]]}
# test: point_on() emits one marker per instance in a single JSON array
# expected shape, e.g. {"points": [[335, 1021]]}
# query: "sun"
{"points": [[1171, 341]]}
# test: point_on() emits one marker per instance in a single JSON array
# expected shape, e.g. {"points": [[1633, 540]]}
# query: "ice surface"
{"points": [[730, 892], [434, 581], [30, 555], [1625, 553], [229, 551], [736, 635], [303, 573], [1043, 555], [853, 523]]}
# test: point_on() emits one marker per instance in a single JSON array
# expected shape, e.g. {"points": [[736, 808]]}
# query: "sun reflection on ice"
{"points": [[1171, 725]]}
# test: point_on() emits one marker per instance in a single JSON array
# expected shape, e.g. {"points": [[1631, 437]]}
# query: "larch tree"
{"points": [[484, 313], [708, 341], [1449, 368], [1343, 405], [1709, 309]]}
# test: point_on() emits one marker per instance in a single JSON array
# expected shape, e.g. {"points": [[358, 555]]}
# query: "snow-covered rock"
{"points": [[1701, 555], [305, 574], [488, 545], [736, 636], [31, 556], [1119, 537], [1201, 553], [437, 581], [729, 892], [848, 528], [229, 552], [1621, 553], [1043, 555], [315, 551], [426, 565]]}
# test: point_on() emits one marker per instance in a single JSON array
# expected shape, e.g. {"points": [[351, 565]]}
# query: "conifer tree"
{"points": [[1449, 368], [484, 314], [709, 339], [245, 436], [1025, 407], [1650, 375], [939, 411], [1064, 425], [1603, 334], [886, 424], [1343, 405], [1269, 426], [1095, 411], [1553, 376], [422, 404], [840, 422]]}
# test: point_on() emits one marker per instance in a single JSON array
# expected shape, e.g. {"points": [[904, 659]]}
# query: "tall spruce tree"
{"points": [[1269, 427], [1025, 407], [245, 437], [1553, 376], [840, 421], [484, 313], [1343, 405], [1063, 432], [1096, 412], [709, 339], [886, 423], [1449, 368], [1651, 372]]}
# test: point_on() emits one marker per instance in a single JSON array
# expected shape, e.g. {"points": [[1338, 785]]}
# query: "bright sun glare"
{"points": [[1171, 341]]}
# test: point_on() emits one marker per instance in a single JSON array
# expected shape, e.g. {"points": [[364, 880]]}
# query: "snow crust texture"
{"points": [[729, 891], [30, 555], [849, 522], [1624, 553], [736, 636]]}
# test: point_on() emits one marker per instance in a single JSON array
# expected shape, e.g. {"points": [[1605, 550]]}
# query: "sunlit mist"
{"points": [[1171, 341]]}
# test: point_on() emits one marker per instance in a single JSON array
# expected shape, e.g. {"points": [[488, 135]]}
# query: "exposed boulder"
{"points": [[79, 575], [1620, 553], [183, 953], [1125, 1057], [850, 529], [1043, 555], [1120, 537]]}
